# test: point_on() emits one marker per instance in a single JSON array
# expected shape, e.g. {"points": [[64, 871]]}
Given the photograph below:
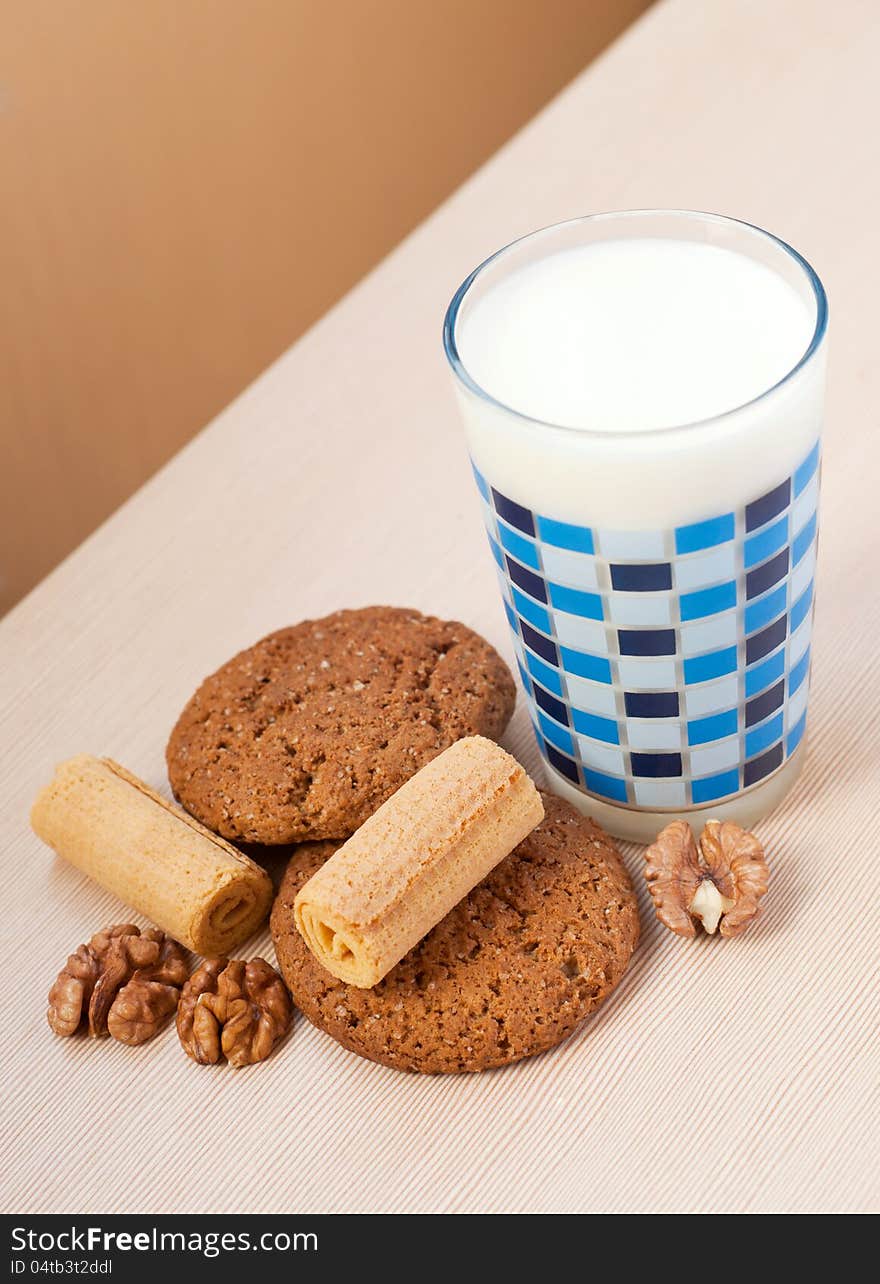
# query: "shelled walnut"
{"points": [[233, 1009], [123, 983], [721, 882]]}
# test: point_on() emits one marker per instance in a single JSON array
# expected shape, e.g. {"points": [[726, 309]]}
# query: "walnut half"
{"points": [[721, 882], [123, 983], [233, 1009]]}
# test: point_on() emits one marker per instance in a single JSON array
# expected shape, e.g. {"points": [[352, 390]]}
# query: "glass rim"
{"points": [[461, 372]]}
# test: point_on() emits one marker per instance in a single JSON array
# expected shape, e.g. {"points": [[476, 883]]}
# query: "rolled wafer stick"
{"points": [[415, 858], [189, 882]]}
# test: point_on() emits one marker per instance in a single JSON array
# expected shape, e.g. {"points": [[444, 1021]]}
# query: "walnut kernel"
{"points": [[718, 884], [123, 983], [233, 1009]]}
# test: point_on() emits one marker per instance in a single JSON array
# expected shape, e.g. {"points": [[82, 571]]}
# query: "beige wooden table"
{"points": [[738, 1075]]}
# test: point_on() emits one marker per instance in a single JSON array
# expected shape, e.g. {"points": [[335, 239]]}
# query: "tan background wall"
{"points": [[187, 184]]}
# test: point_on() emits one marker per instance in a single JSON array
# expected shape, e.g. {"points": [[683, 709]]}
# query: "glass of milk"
{"points": [[642, 395]]}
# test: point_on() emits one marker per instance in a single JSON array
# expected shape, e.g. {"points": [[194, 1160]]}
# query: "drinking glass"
{"points": [[659, 583]]}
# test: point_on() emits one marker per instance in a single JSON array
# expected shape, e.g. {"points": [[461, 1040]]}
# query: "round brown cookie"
{"points": [[509, 972], [303, 735]]}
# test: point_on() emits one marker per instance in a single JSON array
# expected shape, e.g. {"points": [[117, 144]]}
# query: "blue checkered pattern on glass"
{"points": [[664, 669]]}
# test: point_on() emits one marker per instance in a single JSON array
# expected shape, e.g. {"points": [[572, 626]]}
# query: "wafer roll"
{"points": [[189, 882], [416, 857]]}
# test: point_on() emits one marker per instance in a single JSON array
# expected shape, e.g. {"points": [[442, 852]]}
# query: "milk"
{"points": [[623, 345], [632, 335], [642, 396]]}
